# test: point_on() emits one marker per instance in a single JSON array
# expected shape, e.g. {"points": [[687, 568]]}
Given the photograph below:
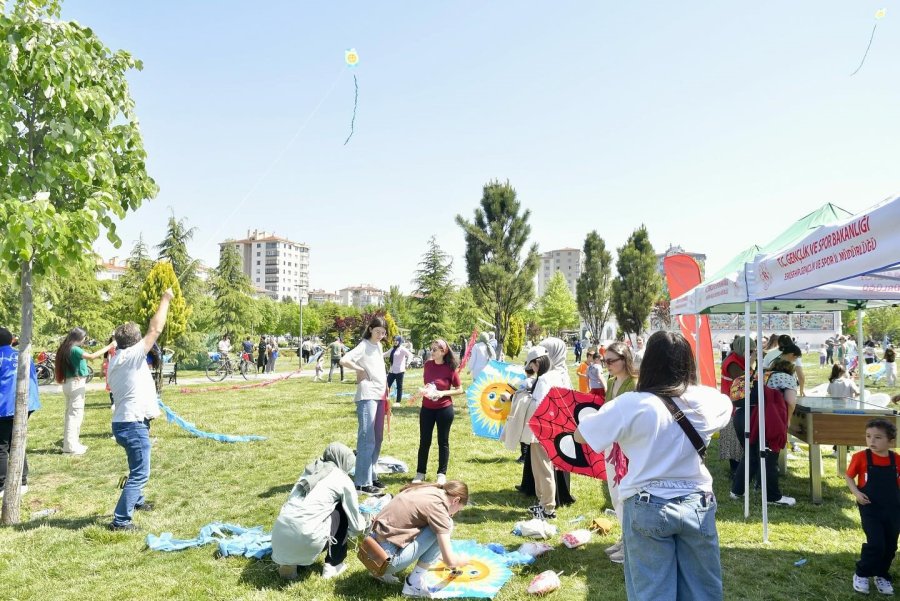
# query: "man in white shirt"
{"points": [[225, 345], [131, 384]]}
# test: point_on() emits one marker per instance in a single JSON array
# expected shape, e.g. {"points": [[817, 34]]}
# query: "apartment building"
{"points": [[275, 264], [568, 261]]}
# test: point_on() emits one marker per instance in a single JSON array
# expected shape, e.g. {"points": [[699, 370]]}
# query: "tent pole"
{"points": [[761, 400], [697, 343], [790, 326], [859, 354], [747, 386]]}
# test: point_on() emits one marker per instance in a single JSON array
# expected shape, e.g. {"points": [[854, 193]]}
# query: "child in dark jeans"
{"points": [[877, 491]]}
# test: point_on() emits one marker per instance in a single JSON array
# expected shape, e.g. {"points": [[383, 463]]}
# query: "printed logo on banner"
{"points": [[764, 276]]}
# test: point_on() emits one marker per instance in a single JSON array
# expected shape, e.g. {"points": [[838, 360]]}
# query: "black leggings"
{"points": [[336, 552], [427, 419], [398, 378]]}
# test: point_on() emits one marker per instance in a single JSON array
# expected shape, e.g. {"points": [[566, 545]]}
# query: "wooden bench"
{"points": [[170, 371]]}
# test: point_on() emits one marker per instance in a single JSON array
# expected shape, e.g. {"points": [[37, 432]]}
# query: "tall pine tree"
{"points": [[233, 293], [638, 283], [593, 290], [434, 289]]}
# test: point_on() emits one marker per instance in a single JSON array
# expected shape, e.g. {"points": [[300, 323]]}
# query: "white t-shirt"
{"points": [[401, 356], [774, 354], [661, 458], [368, 355], [131, 385], [551, 379], [478, 359], [224, 347]]}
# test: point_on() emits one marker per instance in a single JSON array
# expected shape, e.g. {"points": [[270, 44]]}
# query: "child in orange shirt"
{"points": [[582, 371], [877, 492]]}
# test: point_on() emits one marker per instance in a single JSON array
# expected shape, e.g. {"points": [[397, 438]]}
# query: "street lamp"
{"points": [[300, 300]]}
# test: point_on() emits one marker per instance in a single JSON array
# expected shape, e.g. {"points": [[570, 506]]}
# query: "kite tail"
{"points": [[469, 348], [355, 103], [871, 37]]}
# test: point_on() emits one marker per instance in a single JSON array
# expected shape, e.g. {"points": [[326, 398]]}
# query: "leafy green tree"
{"points": [[877, 323], [557, 308], [513, 344], [434, 288], [638, 284], [123, 301], [233, 293], [466, 316], [161, 278], [399, 305], [500, 270], [71, 158], [80, 302], [593, 289]]}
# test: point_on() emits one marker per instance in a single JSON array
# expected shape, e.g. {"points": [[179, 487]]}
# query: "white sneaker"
{"points": [[79, 451], [442, 479], [785, 501], [861, 584], [420, 477], [883, 585], [410, 590], [330, 571], [617, 546], [618, 556], [734, 497]]}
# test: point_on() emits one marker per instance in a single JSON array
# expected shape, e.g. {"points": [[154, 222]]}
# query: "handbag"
{"points": [[373, 556], [736, 392]]}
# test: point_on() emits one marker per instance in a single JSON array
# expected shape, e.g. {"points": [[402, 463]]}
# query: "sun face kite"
{"points": [[487, 407], [482, 576]]}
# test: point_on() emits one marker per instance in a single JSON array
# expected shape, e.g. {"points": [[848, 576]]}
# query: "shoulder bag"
{"points": [[682, 420]]}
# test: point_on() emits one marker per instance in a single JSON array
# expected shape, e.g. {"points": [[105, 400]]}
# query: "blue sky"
{"points": [[715, 126]]}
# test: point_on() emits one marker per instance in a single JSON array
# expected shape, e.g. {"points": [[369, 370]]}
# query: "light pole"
{"points": [[300, 300]]}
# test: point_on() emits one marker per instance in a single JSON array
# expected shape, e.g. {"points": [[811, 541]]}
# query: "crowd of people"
{"points": [[653, 427]]}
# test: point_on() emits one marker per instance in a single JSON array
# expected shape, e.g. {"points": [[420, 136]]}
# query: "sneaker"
{"points": [[420, 477], [145, 506], [128, 527], [883, 585], [861, 584], [734, 497], [370, 490], [442, 479], [386, 578], [614, 548], [75, 452], [536, 510], [288, 572], [785, 501], [618, 556], [410, 590], [546, 515], [330, 571], [378, 484]]}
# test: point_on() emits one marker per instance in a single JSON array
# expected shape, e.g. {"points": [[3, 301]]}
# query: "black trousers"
{"points": [[428, 418], [331, 371], [336, 551], [398, 378], [6, 427], [773, 490], [563, 494], [882, 528]]}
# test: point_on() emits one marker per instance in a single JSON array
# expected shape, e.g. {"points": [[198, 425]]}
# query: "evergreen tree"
{"points": [[123, 301], [233, 293], [501, 278], [398, 305], [174, 249], [638, 284], [557, 308], [434, 289], [592, 290], [513, 344]]}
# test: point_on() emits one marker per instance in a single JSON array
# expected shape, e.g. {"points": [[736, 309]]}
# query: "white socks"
{"points": [[415, 578]]}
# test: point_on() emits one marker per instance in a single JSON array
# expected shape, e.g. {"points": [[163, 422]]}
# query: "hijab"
{"points": [[337, 456], [556, 351], [486, 339]]}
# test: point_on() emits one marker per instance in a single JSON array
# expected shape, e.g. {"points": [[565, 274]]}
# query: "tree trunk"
{"points": [[12, 490]]}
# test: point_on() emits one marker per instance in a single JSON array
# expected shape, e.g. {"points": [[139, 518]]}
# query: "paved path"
{"points": [[98, 383]]}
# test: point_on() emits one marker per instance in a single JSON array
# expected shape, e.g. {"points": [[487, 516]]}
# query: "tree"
{"points": [[501, 279], [161, 278], [592, 290], [399, 305], [557, 308], [233, 293], [174, 249], [123, 304], [638, 284], [465, 314], [71, 158], [79, 301], [434, 289], [513, 344]]}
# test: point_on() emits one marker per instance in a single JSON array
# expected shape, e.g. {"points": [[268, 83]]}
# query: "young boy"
{"points": [[877, 492], [595, 375], [582, 371]]}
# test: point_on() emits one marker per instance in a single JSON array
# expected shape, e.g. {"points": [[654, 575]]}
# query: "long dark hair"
{"points": [[449, 356], [377, 322], [668, 367], [64, 353], [543, 366]]}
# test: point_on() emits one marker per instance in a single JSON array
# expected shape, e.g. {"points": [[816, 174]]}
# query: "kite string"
{"points": [[871, 37], [355, 103], [265, 173]]}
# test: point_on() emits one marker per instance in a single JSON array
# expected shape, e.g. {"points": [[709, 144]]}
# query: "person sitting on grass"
{"points": [[415, 527], [131, 384], [874, 480], [321, 513]]}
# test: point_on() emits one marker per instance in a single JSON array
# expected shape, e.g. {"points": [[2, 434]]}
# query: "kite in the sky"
{"points": [[879, 14], [352, 59]]}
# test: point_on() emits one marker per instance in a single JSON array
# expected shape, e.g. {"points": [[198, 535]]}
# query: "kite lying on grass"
{"points": [[173, 417]]}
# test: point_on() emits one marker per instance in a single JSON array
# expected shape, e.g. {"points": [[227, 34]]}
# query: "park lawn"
{"points": [[71, 555]]}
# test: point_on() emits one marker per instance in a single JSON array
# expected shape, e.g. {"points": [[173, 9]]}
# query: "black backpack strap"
{"points": [[689, 430]]}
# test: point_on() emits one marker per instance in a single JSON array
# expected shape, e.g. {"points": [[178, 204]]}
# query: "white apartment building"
{"points": [[361, 296], [277, 265], [568, 261], [112, 269], [323, 296]]}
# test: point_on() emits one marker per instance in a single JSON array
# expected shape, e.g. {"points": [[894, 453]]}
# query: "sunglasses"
{"points": [[611, 361]]}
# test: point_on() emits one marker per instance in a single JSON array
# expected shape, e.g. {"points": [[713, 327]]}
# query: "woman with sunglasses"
{"points": [[440, 371], [620, 364]]}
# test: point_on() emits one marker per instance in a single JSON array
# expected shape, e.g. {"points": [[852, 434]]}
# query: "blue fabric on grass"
{"points": [[231, 539], [173, 417]]}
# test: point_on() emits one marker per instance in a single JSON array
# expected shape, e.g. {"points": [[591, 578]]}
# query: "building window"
{"points": [[257, 262], [258, 245]]}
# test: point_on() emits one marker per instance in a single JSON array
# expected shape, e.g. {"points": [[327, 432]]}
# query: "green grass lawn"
{"points": [[72, 556]]}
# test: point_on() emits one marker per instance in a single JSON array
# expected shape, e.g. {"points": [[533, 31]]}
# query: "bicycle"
{"points": [[220, 367], [46, 369]]}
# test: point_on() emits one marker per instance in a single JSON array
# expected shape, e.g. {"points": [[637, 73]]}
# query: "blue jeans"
{"points": [[672, 548], [134, 437], [369, 434], [424, 549]]}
